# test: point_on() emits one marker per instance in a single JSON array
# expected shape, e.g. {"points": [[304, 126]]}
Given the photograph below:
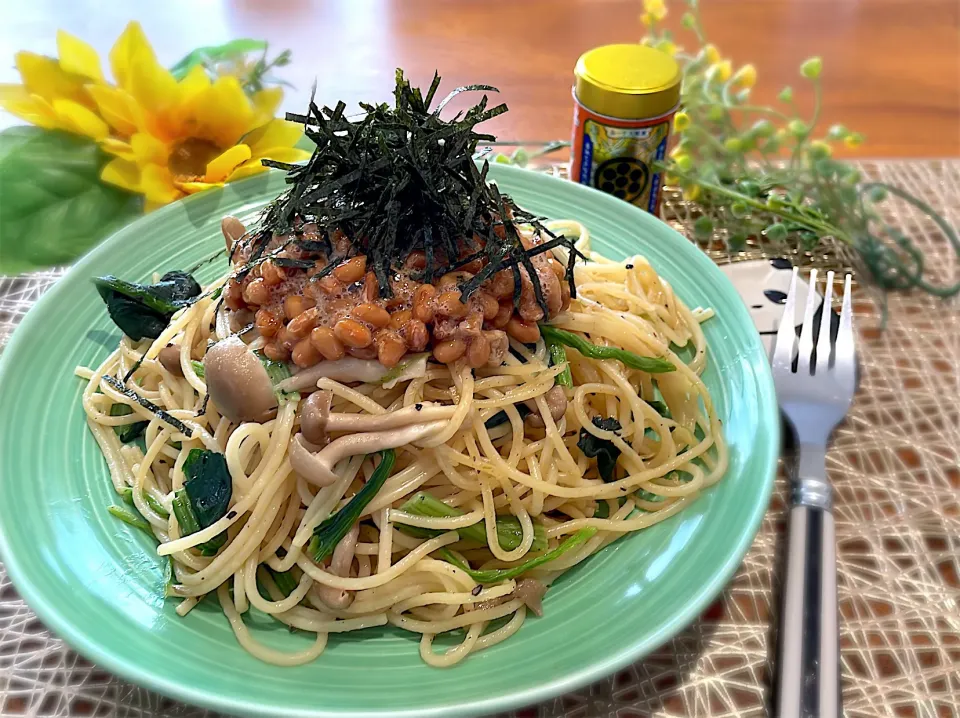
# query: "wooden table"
{"points": [[891, 68]]}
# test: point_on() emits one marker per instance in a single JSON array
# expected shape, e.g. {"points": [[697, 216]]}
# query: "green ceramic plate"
{"points": [[97, 583]]}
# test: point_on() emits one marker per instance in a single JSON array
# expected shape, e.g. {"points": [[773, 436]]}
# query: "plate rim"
{"points": [[77, 639]]}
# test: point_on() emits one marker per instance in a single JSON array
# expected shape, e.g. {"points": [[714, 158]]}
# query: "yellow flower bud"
{"points": [[746, 76], [711, 53], [719, 71], [681, 121], [655, 8], [691, 193], [647, 19], [820, 149], [853, 140]]}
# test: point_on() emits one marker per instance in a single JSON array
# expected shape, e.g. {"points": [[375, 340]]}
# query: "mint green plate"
{"points": [[97, 583]]}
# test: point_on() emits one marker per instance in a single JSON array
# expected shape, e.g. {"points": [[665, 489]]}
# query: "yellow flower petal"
{"points": [[74, 117], [191, 86], [118, 148], [148, 150], [132, 42], [78, 57], [156, 183], [117, 107], [150, 84], [220, 167], [30, 108], [276, 133], [43, 76], [266, 102], [122, 174], [223, 113], [284, 154], [247, 169], [194, 187]]}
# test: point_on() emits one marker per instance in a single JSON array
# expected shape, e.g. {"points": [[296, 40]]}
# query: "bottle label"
{"points": [[617, 156]]}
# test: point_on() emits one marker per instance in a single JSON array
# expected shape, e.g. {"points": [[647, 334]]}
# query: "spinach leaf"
{"points": [[127, 432], [205, 496], [144, 310], [603, 450], [328, 533], [55, 206]]}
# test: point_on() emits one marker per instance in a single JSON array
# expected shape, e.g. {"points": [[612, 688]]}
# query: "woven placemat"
{"points": [[894, 467]]}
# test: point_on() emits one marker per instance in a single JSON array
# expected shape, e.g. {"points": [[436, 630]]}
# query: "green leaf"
{"points": [[54, 205], [216, 53]]}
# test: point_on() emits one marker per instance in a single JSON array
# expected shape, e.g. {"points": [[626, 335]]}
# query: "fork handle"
{"points": [[808, 669]]}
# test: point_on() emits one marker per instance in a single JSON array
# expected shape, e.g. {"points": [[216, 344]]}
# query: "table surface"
{"points": [[891, 67], [894, 468]]}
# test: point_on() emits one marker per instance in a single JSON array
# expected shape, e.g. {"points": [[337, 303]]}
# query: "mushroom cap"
{"points": [[238, 383]]}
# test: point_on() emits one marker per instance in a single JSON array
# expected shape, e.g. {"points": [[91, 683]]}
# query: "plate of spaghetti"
{"points": [[392, 432]]}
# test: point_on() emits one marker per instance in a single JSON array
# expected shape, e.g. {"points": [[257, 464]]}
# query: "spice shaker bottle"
{"points": [[624, 99]]}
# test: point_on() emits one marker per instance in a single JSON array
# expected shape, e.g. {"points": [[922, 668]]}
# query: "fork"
{"points": [[814, 398]]}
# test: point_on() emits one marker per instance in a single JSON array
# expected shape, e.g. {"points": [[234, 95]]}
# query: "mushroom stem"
{"points": [[369, 371], [318, 468], [339, 598], [316, 421]]}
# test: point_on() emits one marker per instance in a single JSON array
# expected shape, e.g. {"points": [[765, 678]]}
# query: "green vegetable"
{"points": [[205, 496], [509, 532], [494, 575], [131, 518], [328, 533], [603, 450], [285, 581], [144, 310], [651, 365], [127, 432], [276, 370], [54, 206], [198, 368], [558, 356], [156, 506], [661, 407]]}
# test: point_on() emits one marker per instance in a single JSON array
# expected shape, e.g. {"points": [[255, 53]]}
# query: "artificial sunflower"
{"points": [[56, 92], [176, 137]]}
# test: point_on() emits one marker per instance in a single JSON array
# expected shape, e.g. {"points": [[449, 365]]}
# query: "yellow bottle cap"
{"points": [[628, 82]]}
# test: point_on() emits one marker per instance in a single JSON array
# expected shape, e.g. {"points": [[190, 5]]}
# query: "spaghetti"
{"points": [[499, 484]]}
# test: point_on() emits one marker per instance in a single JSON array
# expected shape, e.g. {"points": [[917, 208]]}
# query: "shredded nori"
{"points": [[149, 406], [397, 181]]}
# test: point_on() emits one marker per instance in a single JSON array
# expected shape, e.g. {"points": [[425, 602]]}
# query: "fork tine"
{"points": [[845, 362], [823, 340], [805, 349], [786, 332]]}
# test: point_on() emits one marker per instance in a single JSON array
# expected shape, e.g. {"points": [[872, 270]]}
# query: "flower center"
{"points": [[189, 158]]}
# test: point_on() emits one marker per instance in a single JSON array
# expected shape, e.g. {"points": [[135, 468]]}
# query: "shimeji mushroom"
{"points": [[340, 598], [317, 421], [237, 382], [317, 468], [368, 371]]}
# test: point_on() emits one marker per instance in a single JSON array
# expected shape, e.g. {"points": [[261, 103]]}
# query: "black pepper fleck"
{"points": [[418, 407], [477, 589], [231, 515], [629, 266]]}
